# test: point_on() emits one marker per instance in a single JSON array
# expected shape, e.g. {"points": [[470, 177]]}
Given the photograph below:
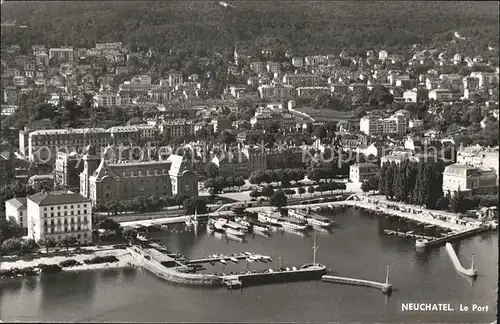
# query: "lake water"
{"points": [[355, 248]]}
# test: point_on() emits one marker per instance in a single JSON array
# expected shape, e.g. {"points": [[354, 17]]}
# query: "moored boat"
{"points": [[270, 217], [293, 223]]}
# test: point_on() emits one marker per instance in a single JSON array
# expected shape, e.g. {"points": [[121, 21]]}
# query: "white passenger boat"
{"points": [[270, 217], [295, 213], [293, 223], [234, 260], [223, 261], [319, 221]]}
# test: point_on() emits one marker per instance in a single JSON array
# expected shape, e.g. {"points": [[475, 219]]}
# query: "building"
{"points": [[16, 210], [232, 163], [276, 92], [62, 54], [374, 125], [123, 135], [177, 127], [440, 95], [107, 99], [469, 179], [479, 156], [68, 167], [257, 67], [273, 67], [297, 61], [111, 180], [58, 214], [147, 132], [221, 124], [41, 181], [360, 172], [175, 78], [43, 145], [311, 92], [303, 80]]}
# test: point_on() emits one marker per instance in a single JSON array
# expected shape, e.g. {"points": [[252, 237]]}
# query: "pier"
{"points": [[241, 256], [307, 272], [458, 266], [386, 287], [408, 234], [421, 244]]}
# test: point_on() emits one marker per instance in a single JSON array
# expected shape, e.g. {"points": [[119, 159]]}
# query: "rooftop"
{"points": [[17, 202], [57, 198]]}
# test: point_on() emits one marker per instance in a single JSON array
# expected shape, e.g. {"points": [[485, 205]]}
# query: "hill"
{"points": [[304, 27]]}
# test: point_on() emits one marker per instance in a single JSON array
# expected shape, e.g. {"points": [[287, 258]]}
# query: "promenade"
{"points": [[424, 215]]}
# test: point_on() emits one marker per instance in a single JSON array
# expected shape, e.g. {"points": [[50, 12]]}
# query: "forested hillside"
{"points": [[304, 27]]}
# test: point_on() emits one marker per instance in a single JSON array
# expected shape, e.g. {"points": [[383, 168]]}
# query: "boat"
{"points": [[248, 253], [260, 227], [234, 260], [249, 260], [295, 213], [267, 258], [319, 221], [293, 223], [219, 224], [233, 229], [223, 261], [234, 225], [255, 257], [270, 217]]}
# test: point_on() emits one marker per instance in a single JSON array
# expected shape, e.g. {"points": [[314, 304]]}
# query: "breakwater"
{"points": [[385, 287], [456, 262]]}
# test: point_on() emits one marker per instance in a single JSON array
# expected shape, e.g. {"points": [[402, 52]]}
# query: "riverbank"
{"points": [[123, 256]]}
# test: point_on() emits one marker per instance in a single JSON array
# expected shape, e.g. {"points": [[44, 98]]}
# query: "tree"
{"points": [[254, 194], [365, 186], [48, 242], [278, 199], [8, 229], [11, 246], [320, 132], [443, 203], [130, 234], [268, 191], [68, 241], [373, 183], [457, 202], [302, 191], [193, 204], [360, 112], [212, 170], [310, 190]]}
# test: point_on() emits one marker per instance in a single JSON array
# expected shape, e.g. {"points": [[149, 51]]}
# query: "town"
{"points": [[101, 145]]}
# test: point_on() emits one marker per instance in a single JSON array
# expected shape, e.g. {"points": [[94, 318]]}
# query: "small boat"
{"points": [[249, 260], [255, 257], [267, 258], [248, 253], [223, 261], [234, 260]]}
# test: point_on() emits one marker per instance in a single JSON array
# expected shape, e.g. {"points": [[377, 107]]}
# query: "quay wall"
{"points": [[456, 262], [449, 238], [281, 276], [171, 274], [358, 282]]}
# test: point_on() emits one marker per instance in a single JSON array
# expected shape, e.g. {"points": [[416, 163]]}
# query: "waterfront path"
{"points": [[423, 215]]}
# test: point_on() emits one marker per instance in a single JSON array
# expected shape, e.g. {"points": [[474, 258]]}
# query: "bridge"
{"points": [[458, 266]]}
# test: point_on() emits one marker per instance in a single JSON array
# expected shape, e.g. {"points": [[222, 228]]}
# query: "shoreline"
{"points": [[124, 260]]}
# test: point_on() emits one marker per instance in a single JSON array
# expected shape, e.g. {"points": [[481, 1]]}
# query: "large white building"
{"points": [[468, 179], [276, 91], [440, 94], [303, 80], [16, 210], [374, 125], [59, 214], [107, 99]]}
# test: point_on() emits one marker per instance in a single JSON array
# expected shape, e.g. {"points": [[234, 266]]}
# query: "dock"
{"points": [[240, 256], [421, 244], [458, 266], [409, 234], [307, 272], [384, 286]]}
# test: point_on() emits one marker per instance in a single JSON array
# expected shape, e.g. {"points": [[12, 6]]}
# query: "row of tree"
{"points": [[285, 176], [414, 183], [218, 183]]}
